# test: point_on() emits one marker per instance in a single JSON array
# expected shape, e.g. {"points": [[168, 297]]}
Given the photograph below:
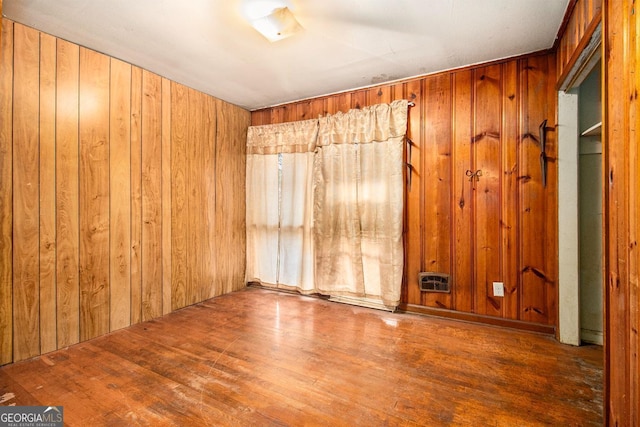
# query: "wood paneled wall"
{"points": [[122, 194], [581, 21], [502, 227], [621, 38]]}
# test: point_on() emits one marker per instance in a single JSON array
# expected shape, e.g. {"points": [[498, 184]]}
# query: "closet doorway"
{"points": [[580, 205]]}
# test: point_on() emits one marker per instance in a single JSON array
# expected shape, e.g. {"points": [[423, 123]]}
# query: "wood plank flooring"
{"points": [[260, 357]]}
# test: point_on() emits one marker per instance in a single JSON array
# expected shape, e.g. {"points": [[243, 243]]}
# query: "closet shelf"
{"points": [[593, 130]]}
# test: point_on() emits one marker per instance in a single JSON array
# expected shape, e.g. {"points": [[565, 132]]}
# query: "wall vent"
{"points": [[434, 282]]}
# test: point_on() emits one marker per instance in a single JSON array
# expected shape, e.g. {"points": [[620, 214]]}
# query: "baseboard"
{"points": [[592, 337], [478, 318]]}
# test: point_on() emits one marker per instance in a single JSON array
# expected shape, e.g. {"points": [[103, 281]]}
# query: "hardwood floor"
{"points": [[260, 357]]}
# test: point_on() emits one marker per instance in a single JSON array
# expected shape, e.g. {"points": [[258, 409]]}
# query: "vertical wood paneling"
{"points": [[179, 221], [136, 195], [94, 194], [550, 252], [303, 110], [48, 339], [580, 25], [151, 196], [436, 183], [236, 137], [211, 240], [463, 200], [100, 226], [195, 166], [262, 117], [26, 239], [537, 281], [621, 184], [509, 202], [120, 191], [360, 98], [230, 216], [340, 102], [67, 194], [380, 95], [318, 108], [6, 191], [166, 196], [487, 145], [616, 298], [634, 204], [501, 228], [634, 299], [413, 238], [277, 115]]}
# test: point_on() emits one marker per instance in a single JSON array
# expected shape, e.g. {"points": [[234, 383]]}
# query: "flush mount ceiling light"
{"points": [[277, 25]]}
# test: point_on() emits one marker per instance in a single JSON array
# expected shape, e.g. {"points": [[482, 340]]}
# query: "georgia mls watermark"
{"points": [[31, 416]]}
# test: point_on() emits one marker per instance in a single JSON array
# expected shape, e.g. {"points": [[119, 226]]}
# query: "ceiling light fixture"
{"points": [[277, 25]]}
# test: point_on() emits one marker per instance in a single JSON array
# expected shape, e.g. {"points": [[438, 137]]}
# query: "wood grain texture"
{"points": [[463, 195], [136, 195], [6, 192], [246, 373], [230, 216], [67, 194], [195, 220], [501, 228], [634, 299], [413, 198], [211, 177], [436, 183], [487, 149], [151, 196], [120, 195], [26, 237], [580, 24], [509, 204], [634, 220], [537, 280], [47, 203], [94, 194], [179, 185], [621, 186], [166, 196], [87, 151]]}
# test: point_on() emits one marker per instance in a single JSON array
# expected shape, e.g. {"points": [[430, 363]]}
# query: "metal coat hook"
{"points": [[474, 175], [408, 163], [543, 152]]}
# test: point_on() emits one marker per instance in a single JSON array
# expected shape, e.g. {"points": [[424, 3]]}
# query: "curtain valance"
{"points": [[370, 124], [290, 137]]}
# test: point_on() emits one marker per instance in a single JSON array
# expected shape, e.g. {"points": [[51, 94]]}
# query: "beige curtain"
{"points": [[358, 203], [279, 204]]}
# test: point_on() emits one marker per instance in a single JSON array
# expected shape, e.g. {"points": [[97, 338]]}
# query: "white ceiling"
{"points": [[345, 44]]}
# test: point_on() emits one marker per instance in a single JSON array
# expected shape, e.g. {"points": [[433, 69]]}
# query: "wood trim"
{"points": [[621, 198], [477, 318], [584, 41], [565, 22]]}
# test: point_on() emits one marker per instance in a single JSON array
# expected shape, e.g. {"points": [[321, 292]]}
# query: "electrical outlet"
{"points": [[498, 289]]}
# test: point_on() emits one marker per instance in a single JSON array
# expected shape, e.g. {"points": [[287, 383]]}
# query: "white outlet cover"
{"points": [[498, 289]]}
